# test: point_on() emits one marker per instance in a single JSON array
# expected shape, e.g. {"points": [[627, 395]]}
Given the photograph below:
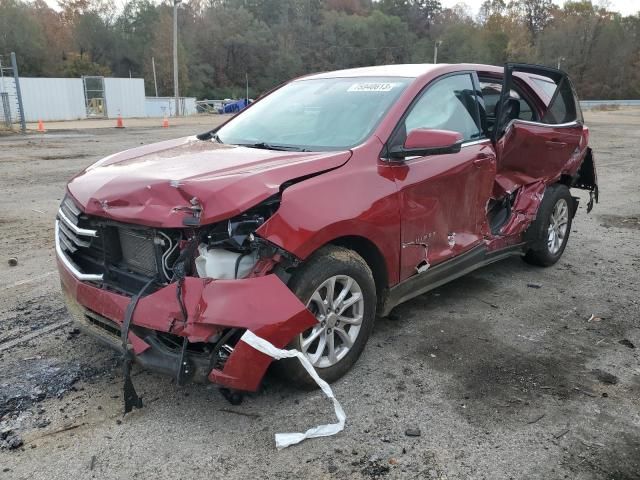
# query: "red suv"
{"points": [[327, 202]]}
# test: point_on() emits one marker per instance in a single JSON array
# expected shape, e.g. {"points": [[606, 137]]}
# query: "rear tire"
{"points": [[549, 233], [337, 286]]}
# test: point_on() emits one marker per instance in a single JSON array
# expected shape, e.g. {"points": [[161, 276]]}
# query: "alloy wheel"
{"points": [[338, 305], [558, 224]]}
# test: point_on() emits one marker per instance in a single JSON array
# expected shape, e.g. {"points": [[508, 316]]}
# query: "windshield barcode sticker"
{"points": [[371, 87]]}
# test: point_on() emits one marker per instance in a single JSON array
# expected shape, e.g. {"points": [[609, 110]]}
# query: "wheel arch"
{"points": [[566, 179], [372, 255]]}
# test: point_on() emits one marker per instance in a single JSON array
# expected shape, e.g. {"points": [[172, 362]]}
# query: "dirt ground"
{"points": [[511, 372]]}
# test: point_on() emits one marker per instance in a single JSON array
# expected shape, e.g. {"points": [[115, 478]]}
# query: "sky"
{"points": [[625, 7]]}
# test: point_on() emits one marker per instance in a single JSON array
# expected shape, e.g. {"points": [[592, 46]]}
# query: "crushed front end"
{"points": [[199, 287]]}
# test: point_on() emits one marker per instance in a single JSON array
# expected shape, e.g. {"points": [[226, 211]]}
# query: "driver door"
{"points": [[443, 197]]}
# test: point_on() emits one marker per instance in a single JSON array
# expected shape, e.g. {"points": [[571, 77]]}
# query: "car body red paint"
{"points": [[424, 211]]}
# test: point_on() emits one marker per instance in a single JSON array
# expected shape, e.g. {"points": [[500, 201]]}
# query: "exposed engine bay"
{"points": [[135, 261], [127, 256]]}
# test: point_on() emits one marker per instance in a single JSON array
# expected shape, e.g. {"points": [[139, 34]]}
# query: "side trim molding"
{"points": [[445, 272]]}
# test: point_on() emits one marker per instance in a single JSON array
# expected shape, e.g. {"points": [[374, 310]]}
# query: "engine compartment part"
{"points": [[221, 264], [284, 440]]}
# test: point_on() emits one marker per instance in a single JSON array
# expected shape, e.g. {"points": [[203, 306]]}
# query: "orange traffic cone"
{"points": [[165, 122], [41, 127], [119, 123]]}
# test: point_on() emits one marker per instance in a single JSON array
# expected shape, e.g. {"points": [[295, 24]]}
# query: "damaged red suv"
{"points": [[325, 203]]}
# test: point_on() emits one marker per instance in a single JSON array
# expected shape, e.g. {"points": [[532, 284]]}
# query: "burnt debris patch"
{"points": [[40, 379]]}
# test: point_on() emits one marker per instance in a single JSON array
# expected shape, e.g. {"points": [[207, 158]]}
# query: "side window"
{"points": [[448, 104], [562, 105], [547, 85], [519, 107], [563, 108]]}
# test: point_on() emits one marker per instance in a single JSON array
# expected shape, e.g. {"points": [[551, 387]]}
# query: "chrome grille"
{"points": [[70, 237], [70, 209], [119, 255]]}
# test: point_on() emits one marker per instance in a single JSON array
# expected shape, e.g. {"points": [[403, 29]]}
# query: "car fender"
{"points": [[359, 199]]}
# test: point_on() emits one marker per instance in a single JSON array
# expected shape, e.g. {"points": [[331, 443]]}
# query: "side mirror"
{"points": [[422, 141]]}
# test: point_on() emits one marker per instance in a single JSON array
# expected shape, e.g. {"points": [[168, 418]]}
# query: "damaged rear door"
{"points": [[551, 145]]}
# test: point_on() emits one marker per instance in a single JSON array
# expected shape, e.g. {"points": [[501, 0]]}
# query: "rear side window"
{"points": [[562, 103], [448, 104], [547, 86]]}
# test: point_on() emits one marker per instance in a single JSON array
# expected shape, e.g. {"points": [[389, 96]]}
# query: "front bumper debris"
{"points": [[284, 440], [263, 305]]}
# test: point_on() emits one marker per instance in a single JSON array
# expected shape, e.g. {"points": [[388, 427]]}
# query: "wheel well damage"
{"points": [[373, 257]]}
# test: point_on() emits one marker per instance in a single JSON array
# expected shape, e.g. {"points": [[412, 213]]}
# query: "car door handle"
{"points": [[482, 160], [552, 144]]}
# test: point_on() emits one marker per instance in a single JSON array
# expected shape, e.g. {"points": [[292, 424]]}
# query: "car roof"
{"points": [[409, 70]]}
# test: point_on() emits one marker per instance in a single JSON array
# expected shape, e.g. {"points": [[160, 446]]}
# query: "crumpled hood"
{"points": [[153, 185]]}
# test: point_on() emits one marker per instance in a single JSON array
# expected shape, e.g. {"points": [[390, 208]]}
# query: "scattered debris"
{"points": [[561, 434], [537, 419], [13, 261], [244, 414], [32, 335], [492, 305], [593, 318], [588, 394], [40, 379], [73, 333], [605, 377], [284, 440], [534, 285], [66, 428], [626, 343], [42, 423], [9, 440], [412, 432], [374, 468], [93, 462]]}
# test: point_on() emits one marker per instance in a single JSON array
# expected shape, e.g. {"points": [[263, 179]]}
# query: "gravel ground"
{"points": [[510, 372]]}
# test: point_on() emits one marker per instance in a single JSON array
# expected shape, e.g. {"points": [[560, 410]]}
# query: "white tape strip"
{"points": [[283, 440]]}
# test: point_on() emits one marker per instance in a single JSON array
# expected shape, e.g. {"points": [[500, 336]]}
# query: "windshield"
{"points": [[318, 114]]}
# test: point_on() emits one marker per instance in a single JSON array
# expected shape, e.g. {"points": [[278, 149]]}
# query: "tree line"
{"points": [[222, 42]]}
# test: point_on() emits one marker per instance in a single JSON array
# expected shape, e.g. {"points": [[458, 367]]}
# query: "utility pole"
{"points": [[246, 79], [560, 59], [175, 55], [435, 50], [155, 80]]}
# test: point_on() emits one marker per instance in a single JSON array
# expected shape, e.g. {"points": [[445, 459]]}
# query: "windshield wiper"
{"points": [[271, 146]]}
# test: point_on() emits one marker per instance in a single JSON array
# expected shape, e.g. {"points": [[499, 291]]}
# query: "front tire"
{"points": [[337, 286], [549, 233]]}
